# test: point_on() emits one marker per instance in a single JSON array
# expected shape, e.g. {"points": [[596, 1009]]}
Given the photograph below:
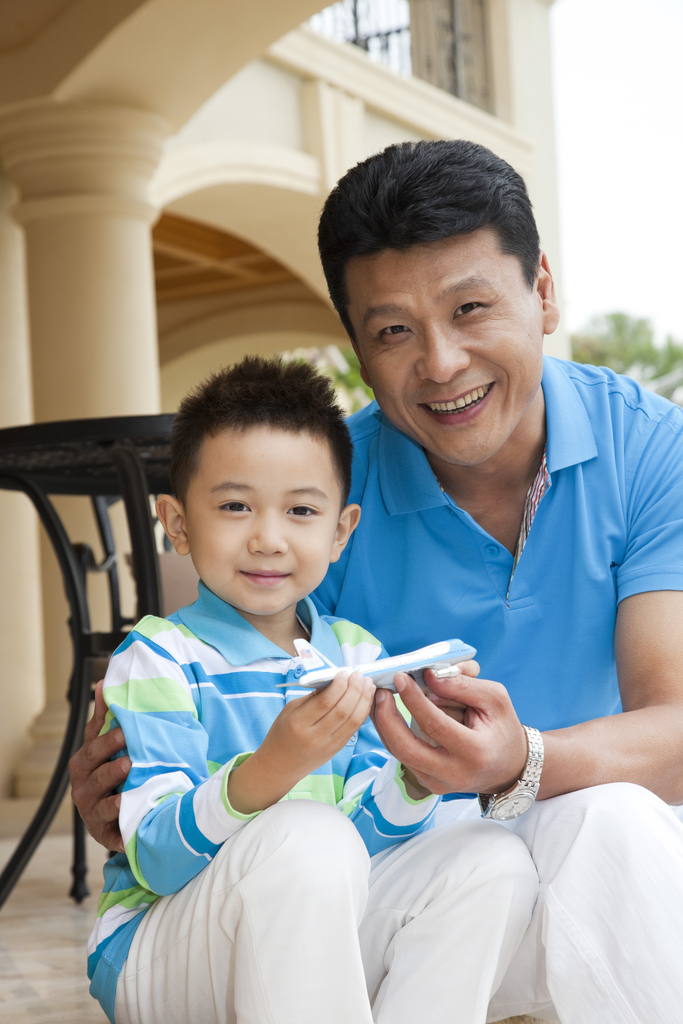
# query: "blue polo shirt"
{"points": [[419, 569]]}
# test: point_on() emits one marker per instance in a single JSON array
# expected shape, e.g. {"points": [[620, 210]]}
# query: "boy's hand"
{"points": [[307, 733]]}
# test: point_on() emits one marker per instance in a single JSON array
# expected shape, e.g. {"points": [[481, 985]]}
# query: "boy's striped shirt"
{"points": [[195, 694]]}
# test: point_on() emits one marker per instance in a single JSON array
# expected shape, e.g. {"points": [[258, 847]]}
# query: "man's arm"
{"points": [[94, 778], [486, 754]]}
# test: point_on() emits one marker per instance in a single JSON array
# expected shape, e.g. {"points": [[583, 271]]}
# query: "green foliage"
{"points": [[626, 344], [359, 394]]}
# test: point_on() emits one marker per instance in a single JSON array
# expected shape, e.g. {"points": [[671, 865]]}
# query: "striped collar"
{"points": [[220, 625]]}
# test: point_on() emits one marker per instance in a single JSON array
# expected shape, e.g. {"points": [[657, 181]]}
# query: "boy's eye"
{"points": [[235, 506], [303, 510]]}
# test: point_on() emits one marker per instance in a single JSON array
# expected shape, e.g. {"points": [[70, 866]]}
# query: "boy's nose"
{"points": [[267, 540]]}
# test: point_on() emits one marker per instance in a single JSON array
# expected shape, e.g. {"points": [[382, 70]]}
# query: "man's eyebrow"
{"points": [[390, 308]]}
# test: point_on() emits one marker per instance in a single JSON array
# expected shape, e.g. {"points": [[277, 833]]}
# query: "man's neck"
{"points": [[494, 492]]}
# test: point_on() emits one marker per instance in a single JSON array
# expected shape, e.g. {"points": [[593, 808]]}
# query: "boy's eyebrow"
{"points": [[230, 485], [315, 492]]}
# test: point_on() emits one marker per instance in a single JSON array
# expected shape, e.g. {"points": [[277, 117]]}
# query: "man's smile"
{"points": [[456, 404], [461, 406]]}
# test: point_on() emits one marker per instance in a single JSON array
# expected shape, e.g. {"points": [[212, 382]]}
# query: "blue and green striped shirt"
{"points": [[195, 694]]}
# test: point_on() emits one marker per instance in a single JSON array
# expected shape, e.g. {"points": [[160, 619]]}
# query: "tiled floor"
{"points": [[42, 940]]}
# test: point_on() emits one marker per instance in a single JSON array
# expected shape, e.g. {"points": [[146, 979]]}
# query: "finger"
{"points": [[358, 712], [469, 668], [93, 792], [95, 724], [445, 731], [326, 700], [488, 697], [397, 736], [112, 839], [337, 715]]}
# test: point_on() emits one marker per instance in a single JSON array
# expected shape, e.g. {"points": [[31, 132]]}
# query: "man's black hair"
{"points": [[414, 193], [256, 392]]}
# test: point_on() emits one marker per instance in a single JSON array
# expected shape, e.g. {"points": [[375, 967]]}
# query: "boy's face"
{"points": [[261, 518]]}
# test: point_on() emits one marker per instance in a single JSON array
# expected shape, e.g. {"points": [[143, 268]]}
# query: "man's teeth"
{"points": [[460, 403]]}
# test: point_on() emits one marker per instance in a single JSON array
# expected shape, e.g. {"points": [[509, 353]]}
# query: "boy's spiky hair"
{"points": [[290, 396]]}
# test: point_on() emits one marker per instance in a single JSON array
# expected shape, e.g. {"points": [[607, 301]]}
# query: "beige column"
{"points": [[531, 111], [82, 173], [21, 662]]}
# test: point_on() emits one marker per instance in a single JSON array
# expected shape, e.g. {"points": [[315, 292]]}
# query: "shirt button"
{"points": [[492, 550], [299, 671]]}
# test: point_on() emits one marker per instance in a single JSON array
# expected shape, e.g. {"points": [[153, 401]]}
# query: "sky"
{"points": [[619, 124]]}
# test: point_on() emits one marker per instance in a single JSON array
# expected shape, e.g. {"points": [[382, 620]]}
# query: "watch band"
{"points": [[521, 796]]}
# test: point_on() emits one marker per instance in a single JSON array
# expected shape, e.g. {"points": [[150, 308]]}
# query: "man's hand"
{"points": [[94, 777], [485, 752], [307, 733]]}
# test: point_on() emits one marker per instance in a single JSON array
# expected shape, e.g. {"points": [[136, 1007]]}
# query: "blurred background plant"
{"points": [[627, 345], [341, 364]]}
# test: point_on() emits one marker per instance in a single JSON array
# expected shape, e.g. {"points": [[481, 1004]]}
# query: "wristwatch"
{"points": [[520, 797]]}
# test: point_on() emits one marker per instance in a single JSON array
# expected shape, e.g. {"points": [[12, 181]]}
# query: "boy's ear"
{"points": [[171, 515], [349, 519]]}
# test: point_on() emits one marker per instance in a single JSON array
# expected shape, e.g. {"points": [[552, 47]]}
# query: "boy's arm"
{"points": [[173, 817], [375, 797]]}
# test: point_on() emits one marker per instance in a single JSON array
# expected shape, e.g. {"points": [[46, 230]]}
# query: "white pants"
{"points": [[268, 932], [605, 945]]}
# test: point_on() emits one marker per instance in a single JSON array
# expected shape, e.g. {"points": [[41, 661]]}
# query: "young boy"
{"points": [[242, 888]]}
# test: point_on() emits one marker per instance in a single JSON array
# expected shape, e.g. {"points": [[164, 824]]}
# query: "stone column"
{"points": [[21, 661], [82, 173]]}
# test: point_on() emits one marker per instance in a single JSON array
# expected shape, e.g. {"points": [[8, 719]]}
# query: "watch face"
{"points": [[512, 806]]}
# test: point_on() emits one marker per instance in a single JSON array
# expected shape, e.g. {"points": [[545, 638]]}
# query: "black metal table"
{"points": [[121, 458]]}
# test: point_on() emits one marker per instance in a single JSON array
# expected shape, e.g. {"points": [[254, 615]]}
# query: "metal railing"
{"points": [[380, 27], [443, 42]]}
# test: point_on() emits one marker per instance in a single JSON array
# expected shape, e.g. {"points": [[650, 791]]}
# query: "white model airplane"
{"points": [[319, 671]]}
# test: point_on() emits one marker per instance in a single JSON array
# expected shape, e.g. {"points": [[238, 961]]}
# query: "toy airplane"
{"points": [[319, 671]]}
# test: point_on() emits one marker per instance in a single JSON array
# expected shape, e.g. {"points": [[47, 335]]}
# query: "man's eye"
{"points": [[303, 510], [467, 307], [395, 329], [235, 506]]}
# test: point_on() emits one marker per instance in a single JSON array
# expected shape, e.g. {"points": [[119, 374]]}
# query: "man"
{"points": [[534, 509]]}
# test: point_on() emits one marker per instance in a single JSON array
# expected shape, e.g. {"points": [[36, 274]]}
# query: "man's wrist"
{"points": [[520, 796], [524, 753]]}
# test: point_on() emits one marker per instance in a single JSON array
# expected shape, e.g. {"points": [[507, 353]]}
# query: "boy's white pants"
{"points": [[291, 924], [605, 945]]}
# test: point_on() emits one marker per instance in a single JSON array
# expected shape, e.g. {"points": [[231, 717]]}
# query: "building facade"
{"points": [[162, 167]]}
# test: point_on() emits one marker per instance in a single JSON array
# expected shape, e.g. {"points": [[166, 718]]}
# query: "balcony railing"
{"points": [[380, 27], [445, 42]]}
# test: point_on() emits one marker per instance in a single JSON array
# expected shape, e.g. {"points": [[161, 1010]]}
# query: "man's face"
{"points": [[450, 338]]}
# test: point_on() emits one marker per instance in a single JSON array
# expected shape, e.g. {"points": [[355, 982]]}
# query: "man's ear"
{"points": [[349, 519], [545, 287], [363, 369], [171, 515]]}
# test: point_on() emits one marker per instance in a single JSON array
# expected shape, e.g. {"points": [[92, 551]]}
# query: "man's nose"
{"points": [[267, 537], [441, 356]]}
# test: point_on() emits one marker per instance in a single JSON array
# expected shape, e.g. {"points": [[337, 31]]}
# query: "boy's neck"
{"points": [[282, 628]]}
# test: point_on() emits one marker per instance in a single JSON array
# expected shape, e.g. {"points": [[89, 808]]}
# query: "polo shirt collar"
{"points": [[405, 477], [220, 625], [570, 434]]}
